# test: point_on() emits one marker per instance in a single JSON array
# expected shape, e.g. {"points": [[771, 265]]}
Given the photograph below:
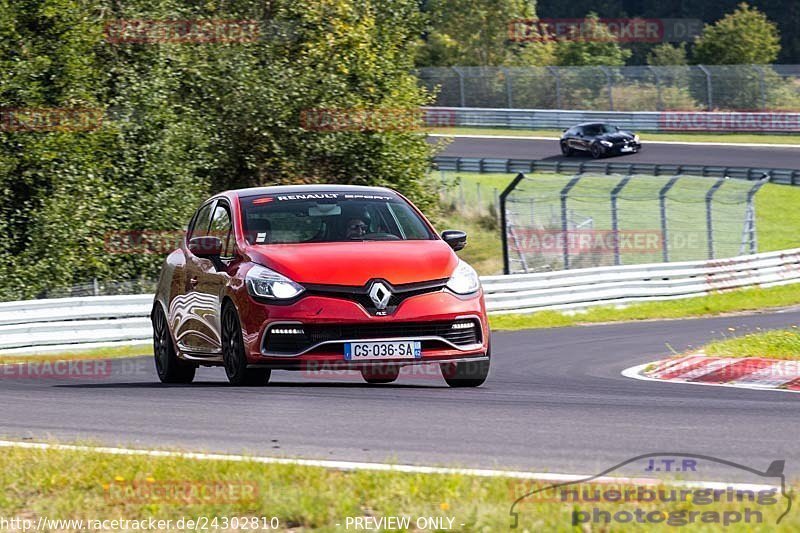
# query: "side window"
{"points": [[221, 227], [201, 220]]}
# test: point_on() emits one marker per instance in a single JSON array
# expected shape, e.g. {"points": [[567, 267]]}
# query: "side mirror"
{"points": [[206, 247], [456, 239]]}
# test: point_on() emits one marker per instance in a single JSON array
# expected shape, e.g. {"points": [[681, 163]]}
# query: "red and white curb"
{"points": [[746, 373]]}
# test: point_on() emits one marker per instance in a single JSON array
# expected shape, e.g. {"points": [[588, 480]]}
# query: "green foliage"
{"points": [[745, 36], [184, 120], [598, 47], [476, 33], [666, 55]]}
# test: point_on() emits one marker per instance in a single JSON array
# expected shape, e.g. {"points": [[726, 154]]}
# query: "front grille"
{"points": [[313, 334], [360, 294]]}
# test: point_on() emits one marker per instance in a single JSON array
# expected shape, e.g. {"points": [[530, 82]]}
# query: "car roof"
{"points": [[294, 189], [593, 124]]}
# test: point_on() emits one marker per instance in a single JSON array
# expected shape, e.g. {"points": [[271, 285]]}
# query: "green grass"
{"points": [[677, 137], [92, 353], [711, 305], [88, 485], [775, 344]]}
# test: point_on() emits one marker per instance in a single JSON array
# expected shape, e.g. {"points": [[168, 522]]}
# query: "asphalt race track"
{"points": [[548, 150], [555, 401]]}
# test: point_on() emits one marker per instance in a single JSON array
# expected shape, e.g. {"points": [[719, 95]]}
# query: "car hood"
{"points": [[355, 263], [616, 136]]}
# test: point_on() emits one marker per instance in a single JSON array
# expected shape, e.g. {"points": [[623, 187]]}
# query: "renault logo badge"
{"points": [[379, 295]]}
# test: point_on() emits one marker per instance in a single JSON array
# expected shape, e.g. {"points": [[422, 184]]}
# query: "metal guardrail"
{"points": [[31, 324], [784, 176], [66, 321], [581, 288], [651, 121]]}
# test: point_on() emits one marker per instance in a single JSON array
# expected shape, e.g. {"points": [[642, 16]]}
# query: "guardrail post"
{"points": [[751, 213], [504, 219], [710, 102], [614, 216], [709, 221], [662, 204], [564, 217]]}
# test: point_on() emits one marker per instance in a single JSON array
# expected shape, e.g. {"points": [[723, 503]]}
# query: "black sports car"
{"points": [[599, 139]]}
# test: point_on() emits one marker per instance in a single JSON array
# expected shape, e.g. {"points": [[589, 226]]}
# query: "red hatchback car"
{"points": [[313, 277]]}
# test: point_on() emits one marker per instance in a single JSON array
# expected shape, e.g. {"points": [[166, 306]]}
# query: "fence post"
{"points": [[614, 215], [761, 86], [610, 88], [509, 90], [710, 102], [709, 221], [462, 97], [662, 204], [564, 218], [504, 219], [751, 209], [660, 105], [557, 75]]}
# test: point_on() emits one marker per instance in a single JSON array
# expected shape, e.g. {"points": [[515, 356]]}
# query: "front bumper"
{"points": [[628, 147], [327, 323]]}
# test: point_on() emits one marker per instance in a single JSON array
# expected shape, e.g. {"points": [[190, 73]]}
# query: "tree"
{"points": [[183, 121], [476, 33], [745, 36], [667, 55], [596, 46]]}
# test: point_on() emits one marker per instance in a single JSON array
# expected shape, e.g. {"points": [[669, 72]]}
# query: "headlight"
{"points": [[636, 138], [265, 283], [464, 279], [606, 143]]}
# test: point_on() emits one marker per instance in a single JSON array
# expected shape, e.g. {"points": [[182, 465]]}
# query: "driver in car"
{"points": [[356, 229]]}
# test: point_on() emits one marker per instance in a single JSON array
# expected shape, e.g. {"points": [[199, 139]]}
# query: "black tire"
{"points": [[467, 374], [380, 374], [596, 151], [566, 150], [233, 356], [170, 369]]}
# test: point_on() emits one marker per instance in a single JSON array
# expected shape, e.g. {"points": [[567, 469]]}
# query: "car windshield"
{"points": [[598, 129], [330, 217]]}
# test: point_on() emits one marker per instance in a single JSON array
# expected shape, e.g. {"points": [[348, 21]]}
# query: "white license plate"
{"points": [[626, 149], [366, 351]]}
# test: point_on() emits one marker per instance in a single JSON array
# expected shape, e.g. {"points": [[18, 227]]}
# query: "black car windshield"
{"points": [[598, 129], [330, 217]]}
